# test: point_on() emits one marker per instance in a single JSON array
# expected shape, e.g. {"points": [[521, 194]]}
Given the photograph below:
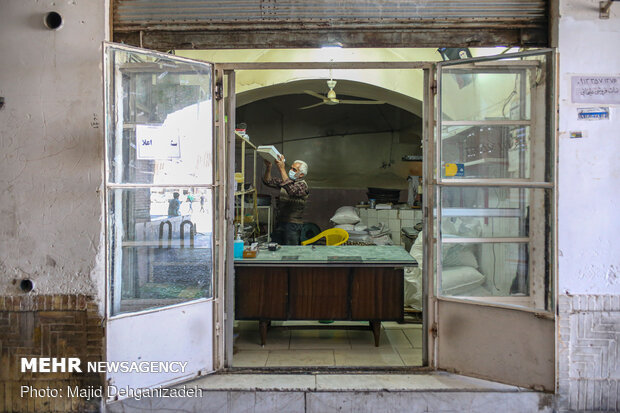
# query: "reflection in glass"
{"points": [[485, 270], [161, 128], [506, 91], [160, 246], [487, 151], [493, 211]]}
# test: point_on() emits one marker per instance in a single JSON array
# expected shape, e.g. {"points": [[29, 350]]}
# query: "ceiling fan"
{"points": [[330, 99]]}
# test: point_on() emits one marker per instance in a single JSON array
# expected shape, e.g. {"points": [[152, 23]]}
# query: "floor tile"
{"points": [[319, 339], [397, 338], [415, 337], [365, 339], [277, 339], [394, 324], [246, 325], [368, 357], [300, 358], [410, 356], [250, 358]]}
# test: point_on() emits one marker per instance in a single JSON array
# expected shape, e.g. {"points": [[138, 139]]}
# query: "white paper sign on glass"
{"points": [[157, 142], [595, 89]]}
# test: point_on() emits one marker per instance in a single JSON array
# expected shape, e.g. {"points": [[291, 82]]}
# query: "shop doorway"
{"points": [[527, 186]]}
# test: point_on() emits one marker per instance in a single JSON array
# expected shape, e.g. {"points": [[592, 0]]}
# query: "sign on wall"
{"points": [[157, 142], [595, 89], [599, 113]]}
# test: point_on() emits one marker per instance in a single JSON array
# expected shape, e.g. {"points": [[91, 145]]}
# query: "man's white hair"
{"points": [[303, 167]]}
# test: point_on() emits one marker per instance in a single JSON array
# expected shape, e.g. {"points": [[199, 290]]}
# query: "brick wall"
{"points": [[48, 326], [588, 353]]}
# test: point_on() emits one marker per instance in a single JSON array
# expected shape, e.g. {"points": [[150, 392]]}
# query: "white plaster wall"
{"points": [[51, 131], [589, 168]]}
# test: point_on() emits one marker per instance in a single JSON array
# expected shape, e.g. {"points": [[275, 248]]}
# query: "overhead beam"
{"points": [[275, 39]]}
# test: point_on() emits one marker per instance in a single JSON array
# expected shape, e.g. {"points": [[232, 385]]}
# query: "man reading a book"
{"points": [[291, 202]]}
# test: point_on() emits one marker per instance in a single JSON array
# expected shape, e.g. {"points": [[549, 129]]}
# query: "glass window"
{"points": [[495, 243], [510, 89], [159, 159], [161, 119], [475, 212], [160, 246], [486, 151]]}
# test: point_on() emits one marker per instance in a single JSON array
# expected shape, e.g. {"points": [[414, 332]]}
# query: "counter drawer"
{"points": [[261, 292], [377, 294]]}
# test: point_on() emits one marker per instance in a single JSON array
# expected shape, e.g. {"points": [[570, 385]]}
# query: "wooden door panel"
{"points": [[377, 294], [261, 292], [319, 293]]}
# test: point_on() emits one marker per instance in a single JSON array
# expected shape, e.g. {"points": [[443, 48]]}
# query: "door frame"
{"points": [[211, 304], [536, 315], [229, 69]]}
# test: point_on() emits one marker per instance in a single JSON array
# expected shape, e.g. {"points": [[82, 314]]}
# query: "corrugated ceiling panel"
{"points": [[237, 12]]}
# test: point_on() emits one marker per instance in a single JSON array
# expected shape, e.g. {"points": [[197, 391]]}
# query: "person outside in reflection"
{"points": [[190, 199], [290, 204], [202, 202], [174, 205]]}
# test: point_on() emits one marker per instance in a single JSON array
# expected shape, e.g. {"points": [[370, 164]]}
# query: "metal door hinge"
{"points": [[219, 91], [434, 330], [434, 87]]}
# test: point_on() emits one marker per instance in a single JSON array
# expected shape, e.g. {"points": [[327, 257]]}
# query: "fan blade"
{"points": [[316, 95], [313, 106], [362, 102]]}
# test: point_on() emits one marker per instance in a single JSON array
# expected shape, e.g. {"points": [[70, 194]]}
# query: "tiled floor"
{"points": [[400, 345]]}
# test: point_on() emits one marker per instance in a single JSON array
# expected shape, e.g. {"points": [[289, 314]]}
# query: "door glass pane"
{"points": [[159, 120], [493, 91], [160, 246], [486, 151], [484, 266], [474, 212], [485, 270], [495, 119]]}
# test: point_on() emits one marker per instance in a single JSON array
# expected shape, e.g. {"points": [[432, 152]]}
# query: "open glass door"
{"points": [[162, 244], [492, 243]]}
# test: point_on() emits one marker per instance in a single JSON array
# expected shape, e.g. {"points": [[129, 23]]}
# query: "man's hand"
{"points": [[267, 163], [280, 161]]}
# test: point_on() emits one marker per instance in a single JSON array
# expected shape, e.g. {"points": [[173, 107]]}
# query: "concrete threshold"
{"points": [[435, 381], [325, 393]]}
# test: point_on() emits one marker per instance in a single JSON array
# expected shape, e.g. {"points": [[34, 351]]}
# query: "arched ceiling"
{"points": [[343, 88]]}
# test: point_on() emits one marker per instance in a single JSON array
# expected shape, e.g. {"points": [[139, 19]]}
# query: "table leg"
{"points": [[376, 331], [262, 328]]}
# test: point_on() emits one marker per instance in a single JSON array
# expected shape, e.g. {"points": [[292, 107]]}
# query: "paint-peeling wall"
{"points": [[51, 131], [589, 168]]}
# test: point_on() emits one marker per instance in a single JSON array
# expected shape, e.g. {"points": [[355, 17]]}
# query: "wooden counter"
{"points": [[322, 283]]}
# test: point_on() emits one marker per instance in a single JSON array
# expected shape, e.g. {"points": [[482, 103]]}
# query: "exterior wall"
{"points": [[51, 130], [51, 215], [48, 326], [589, 257]]}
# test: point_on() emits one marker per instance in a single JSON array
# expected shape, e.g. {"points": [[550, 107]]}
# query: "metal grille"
{"points": [[237, 13]]}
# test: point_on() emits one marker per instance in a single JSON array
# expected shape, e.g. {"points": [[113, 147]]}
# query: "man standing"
{"points": [[174, 206], [291, 202]]}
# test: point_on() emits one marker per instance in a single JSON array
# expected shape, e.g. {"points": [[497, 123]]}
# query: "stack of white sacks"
{"points": [[347, 218]]}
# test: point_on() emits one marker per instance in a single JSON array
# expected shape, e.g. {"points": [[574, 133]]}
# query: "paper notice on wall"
{"points": [[595, 89], [599, 113], [157, 142]]}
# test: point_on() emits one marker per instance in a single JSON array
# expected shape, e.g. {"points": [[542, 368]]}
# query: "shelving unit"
{"points": [[242, 144]]}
